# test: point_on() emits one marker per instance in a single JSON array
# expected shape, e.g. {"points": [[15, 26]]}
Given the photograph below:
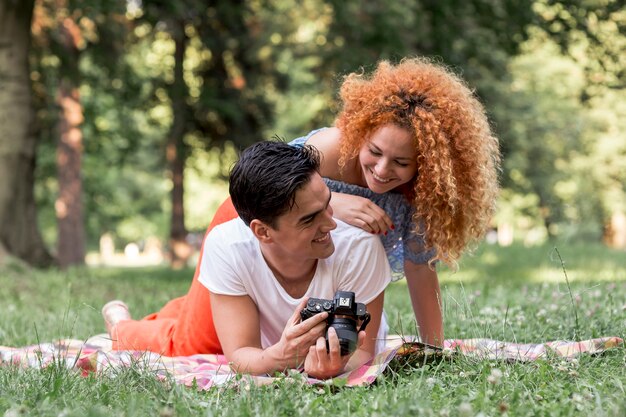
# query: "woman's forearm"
{"points": [[425, 295]]}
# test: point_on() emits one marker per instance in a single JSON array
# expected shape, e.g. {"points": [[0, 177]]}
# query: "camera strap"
{"points": [[366, 319]]}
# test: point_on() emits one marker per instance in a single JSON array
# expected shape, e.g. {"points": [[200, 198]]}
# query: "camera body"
{"points": [[343, 315]]}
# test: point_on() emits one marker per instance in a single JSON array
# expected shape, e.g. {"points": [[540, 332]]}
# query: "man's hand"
{"points": [[360, 212], [322, 363], [298, 337]]}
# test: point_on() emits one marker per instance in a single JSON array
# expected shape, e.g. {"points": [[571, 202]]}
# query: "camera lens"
{"points": [[346, 332]]}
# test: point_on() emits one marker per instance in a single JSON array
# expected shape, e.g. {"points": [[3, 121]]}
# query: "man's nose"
{"points": [[329, 223]]}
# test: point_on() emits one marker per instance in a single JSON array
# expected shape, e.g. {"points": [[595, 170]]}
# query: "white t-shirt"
{"points": [[232, 264]]}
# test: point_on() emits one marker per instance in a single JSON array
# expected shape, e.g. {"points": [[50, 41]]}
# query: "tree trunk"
{"points": [[19, 232], [615, 231], [180, 250], [68, 206]]}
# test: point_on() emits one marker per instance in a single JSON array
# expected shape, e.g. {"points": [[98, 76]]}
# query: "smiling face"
{"points": [[303, 233], [388, 159]]}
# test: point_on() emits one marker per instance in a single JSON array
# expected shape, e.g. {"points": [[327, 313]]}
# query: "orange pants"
{"points": [[184, 326]]}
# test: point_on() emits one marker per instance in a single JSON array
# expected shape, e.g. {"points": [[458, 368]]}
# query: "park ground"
{"points": [[521, 294]]}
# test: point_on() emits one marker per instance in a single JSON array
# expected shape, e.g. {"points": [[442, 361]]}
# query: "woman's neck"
{"points": [[352, 173]]}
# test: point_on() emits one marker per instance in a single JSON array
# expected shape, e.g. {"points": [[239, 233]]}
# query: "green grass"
{"points": [[514, 294]]}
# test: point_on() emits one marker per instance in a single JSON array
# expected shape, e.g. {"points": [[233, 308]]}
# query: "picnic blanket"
{"points": [[206, 371]]}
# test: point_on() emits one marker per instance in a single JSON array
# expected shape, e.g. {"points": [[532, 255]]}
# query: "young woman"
{"points": [[413, 159]]}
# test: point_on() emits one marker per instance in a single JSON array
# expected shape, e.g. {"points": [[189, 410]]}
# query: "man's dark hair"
{"points": [[263, 183]]}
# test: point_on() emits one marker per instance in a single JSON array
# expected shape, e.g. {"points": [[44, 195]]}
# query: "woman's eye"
{"points": [[373, 152], [402, 164]]}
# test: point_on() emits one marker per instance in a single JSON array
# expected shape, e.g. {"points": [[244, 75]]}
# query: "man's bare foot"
{"points": [[114, 312]]}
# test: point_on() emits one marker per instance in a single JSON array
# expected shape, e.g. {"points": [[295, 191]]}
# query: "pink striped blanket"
{"points": [[206, 371]]}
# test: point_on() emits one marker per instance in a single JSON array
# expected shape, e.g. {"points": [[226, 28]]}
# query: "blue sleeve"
{"points": [[299, 142], [303, 139], [414, 248]]}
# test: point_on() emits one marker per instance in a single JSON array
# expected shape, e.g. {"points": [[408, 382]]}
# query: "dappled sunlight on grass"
{"points": [[77, 295], [521, 294], [155, 273], [518, 264]]}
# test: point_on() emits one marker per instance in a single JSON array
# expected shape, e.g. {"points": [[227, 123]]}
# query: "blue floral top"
{"points": [[402, 243]]}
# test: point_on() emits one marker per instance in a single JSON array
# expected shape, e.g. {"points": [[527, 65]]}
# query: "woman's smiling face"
{"points": [[388, 159]]}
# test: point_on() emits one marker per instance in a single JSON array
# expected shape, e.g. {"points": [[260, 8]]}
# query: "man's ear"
{"points": [[261, 231]]}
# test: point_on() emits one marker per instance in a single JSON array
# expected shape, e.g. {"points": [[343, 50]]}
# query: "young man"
{"points": [[261, 268]]}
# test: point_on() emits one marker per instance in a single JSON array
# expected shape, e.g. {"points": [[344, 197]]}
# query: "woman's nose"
{"points": [[382, 168]]}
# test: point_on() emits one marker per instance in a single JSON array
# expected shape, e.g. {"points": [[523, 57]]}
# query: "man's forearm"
{"points": [[257, 361]]}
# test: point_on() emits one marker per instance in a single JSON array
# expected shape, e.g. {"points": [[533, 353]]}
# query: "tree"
{"points": [[546, 131], [65, 32], [560, 119], [593, 34], [162, 81], [69, 207], [229, 106], [19, 233], [175, 148]]}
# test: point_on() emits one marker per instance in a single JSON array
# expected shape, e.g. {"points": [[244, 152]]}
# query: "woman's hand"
{"points": [[360, 212]]}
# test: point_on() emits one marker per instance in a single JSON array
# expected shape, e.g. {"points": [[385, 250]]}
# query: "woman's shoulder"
{"points": [[326, 139]]}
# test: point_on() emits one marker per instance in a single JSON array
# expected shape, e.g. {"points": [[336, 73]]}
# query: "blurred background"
{"points": [[119, 120]]}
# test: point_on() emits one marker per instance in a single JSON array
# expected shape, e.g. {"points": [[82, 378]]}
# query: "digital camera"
{"points": [[343, 315]]}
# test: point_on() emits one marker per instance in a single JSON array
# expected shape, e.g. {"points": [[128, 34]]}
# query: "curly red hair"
{"points": [[458, 157]]}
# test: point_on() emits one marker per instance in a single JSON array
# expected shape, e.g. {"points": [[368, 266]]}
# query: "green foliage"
{"points": [[558, 169], [535, 81], [206, 185], [121, 162], [549, 72], [592, 32], [543, 104]]}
